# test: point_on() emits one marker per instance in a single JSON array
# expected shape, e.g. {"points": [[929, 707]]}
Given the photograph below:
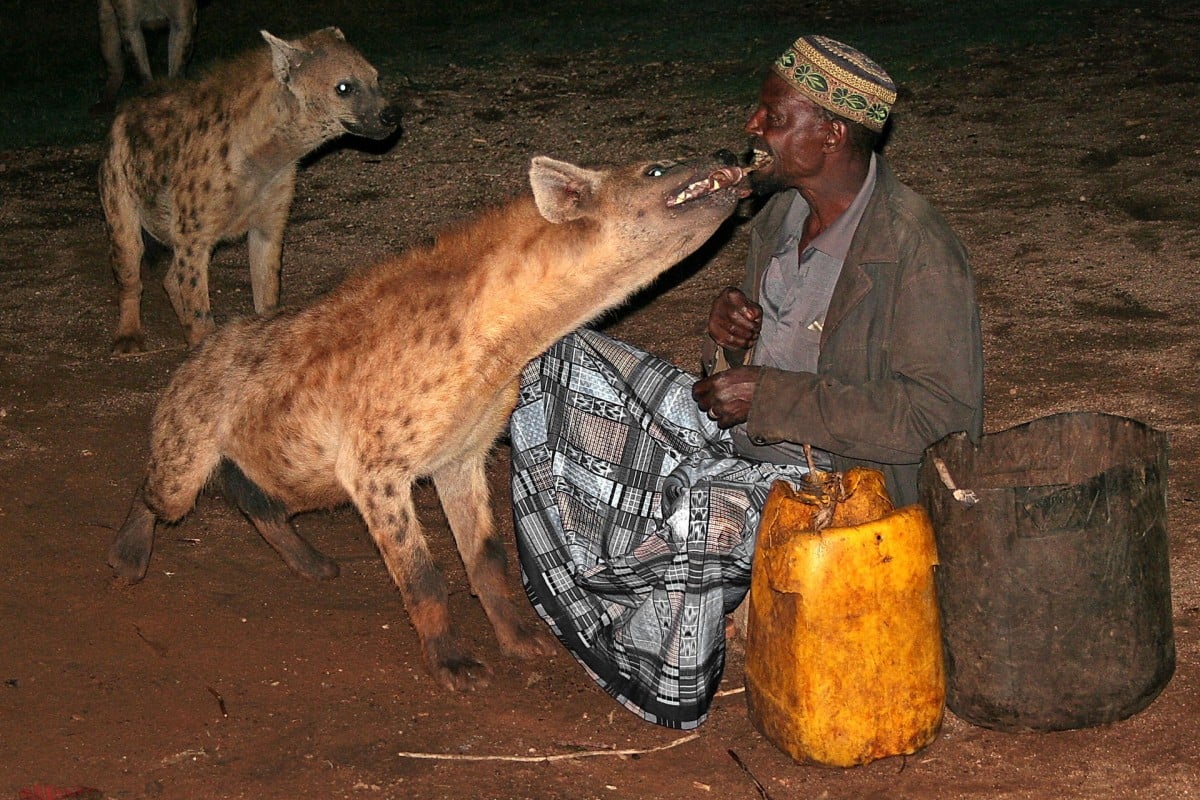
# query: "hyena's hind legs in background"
{"points": [[122, 30], [126, 249]]}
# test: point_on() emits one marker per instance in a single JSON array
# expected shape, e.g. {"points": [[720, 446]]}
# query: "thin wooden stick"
{"points": [[556, 757]]}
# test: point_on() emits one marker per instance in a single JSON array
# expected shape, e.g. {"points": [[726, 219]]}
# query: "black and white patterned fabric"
{"points": [[635, 522]]}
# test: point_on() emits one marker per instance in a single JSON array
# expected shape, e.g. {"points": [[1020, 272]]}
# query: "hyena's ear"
{"points": [[284, 57], [562, 191], [334, 32]]}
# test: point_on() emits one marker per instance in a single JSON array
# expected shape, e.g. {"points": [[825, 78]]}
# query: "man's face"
{"points": [[792, 130]]}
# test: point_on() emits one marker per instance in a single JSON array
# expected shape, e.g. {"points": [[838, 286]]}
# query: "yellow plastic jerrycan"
{"points": [[843, 641]]}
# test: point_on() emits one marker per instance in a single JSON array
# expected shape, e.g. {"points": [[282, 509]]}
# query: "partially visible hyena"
{"points": [[409, 370], [122, 29], [200, 162]]}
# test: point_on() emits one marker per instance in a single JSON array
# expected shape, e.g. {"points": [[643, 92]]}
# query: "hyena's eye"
{"points": [[344, 88]]}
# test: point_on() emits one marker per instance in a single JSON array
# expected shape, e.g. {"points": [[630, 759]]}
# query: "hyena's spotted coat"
{"points": [[194, 163], [409, 370]]}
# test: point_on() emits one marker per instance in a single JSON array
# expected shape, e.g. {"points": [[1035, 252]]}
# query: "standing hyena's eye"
{"points": [[344, 88]]}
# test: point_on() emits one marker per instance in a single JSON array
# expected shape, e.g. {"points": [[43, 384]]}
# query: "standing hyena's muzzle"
{"points": [[373, 117]]}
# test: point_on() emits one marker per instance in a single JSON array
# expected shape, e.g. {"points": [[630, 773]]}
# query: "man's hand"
{"points": [[734, 320], [727, 395]]}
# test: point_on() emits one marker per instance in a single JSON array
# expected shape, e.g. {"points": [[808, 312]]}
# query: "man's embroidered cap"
{"points": [[839, 78]]}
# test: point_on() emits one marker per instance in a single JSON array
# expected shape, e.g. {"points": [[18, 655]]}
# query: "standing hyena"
{"points": [[122, 29], [410, 370], [201, 162]]}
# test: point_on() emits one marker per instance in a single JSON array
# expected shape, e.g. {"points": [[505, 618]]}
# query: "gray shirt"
{"points": [[794, 295]]}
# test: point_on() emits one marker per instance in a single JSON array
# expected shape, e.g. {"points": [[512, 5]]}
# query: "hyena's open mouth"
{"points": [[719, 179]]}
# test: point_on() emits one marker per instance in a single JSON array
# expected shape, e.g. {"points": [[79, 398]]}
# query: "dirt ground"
{"points": [[1070, 171]]}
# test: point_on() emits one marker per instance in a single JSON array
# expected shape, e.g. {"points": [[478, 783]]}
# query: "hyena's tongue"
{"points": [[717, 180]]}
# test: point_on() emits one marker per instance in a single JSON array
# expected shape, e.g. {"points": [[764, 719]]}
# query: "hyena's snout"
{"points": [[375, 118]]}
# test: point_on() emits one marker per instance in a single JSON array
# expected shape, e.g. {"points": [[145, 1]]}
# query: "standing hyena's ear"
{"points": [[284, 57], [562, 191]]}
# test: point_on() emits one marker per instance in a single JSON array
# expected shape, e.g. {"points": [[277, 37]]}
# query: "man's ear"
{"points": [[562, 191], [838, 136]]}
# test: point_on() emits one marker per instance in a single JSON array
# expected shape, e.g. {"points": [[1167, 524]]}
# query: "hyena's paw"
{"points": [[454, 668], [129, 345], [526, 640]]}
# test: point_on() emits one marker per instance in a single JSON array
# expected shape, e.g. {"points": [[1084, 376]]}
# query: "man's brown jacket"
{"points": [[901, 361]]}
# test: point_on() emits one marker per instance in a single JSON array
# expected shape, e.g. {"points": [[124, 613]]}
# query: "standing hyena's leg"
{"points": [[270, 519], [186, 283], [387, 507], [265, 243], [110, 50], [179, 42], [126, 249], [463, 491]]}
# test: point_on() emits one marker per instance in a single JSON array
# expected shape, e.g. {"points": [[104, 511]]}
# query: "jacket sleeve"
{"points": [[901, 370]]}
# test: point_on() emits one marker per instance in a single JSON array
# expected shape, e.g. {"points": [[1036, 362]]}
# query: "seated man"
{"points": [[637, 489]]}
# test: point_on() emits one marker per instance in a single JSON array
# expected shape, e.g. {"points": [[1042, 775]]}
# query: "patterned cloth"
{"points": [[635, 522]]}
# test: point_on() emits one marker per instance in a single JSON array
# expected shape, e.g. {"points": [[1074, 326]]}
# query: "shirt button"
{"points": [[758, 440]]}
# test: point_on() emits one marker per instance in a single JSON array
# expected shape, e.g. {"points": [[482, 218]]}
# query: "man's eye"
{"points": [[657, 171]]}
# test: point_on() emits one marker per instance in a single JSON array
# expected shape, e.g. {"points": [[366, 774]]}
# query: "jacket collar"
{"points": [[874, 243]]}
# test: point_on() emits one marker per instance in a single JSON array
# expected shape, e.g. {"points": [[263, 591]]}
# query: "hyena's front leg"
{"points": [[391, 519], [463, 491], [186, 283], [265, 243]]}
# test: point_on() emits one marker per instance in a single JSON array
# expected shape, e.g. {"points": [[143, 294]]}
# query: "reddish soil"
{"points": [[1070, 171]]}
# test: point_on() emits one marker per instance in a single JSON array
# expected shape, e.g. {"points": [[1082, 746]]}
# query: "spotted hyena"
{"points": [[200, 162], [409, 370], [122, 30]]}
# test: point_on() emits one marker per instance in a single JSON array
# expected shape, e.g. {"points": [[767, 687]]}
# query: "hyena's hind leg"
{"points": [[463, 491], [270, 519], [125, 255]]}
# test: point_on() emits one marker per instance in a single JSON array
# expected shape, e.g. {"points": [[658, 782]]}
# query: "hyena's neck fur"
{"points": [[527, 282]]}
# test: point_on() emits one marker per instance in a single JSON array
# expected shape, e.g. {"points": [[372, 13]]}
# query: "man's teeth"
{"points": [[759, 159]]}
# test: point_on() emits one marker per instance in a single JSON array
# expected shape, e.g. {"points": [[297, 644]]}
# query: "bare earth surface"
{"points": [[1070, 170]]}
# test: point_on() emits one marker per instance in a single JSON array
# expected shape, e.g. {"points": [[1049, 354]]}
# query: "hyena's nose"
{"points": [[388, 117], [726, 157]]}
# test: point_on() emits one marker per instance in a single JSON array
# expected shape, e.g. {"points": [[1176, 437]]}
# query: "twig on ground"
{"points": [[556, 757], [762, 790]]}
